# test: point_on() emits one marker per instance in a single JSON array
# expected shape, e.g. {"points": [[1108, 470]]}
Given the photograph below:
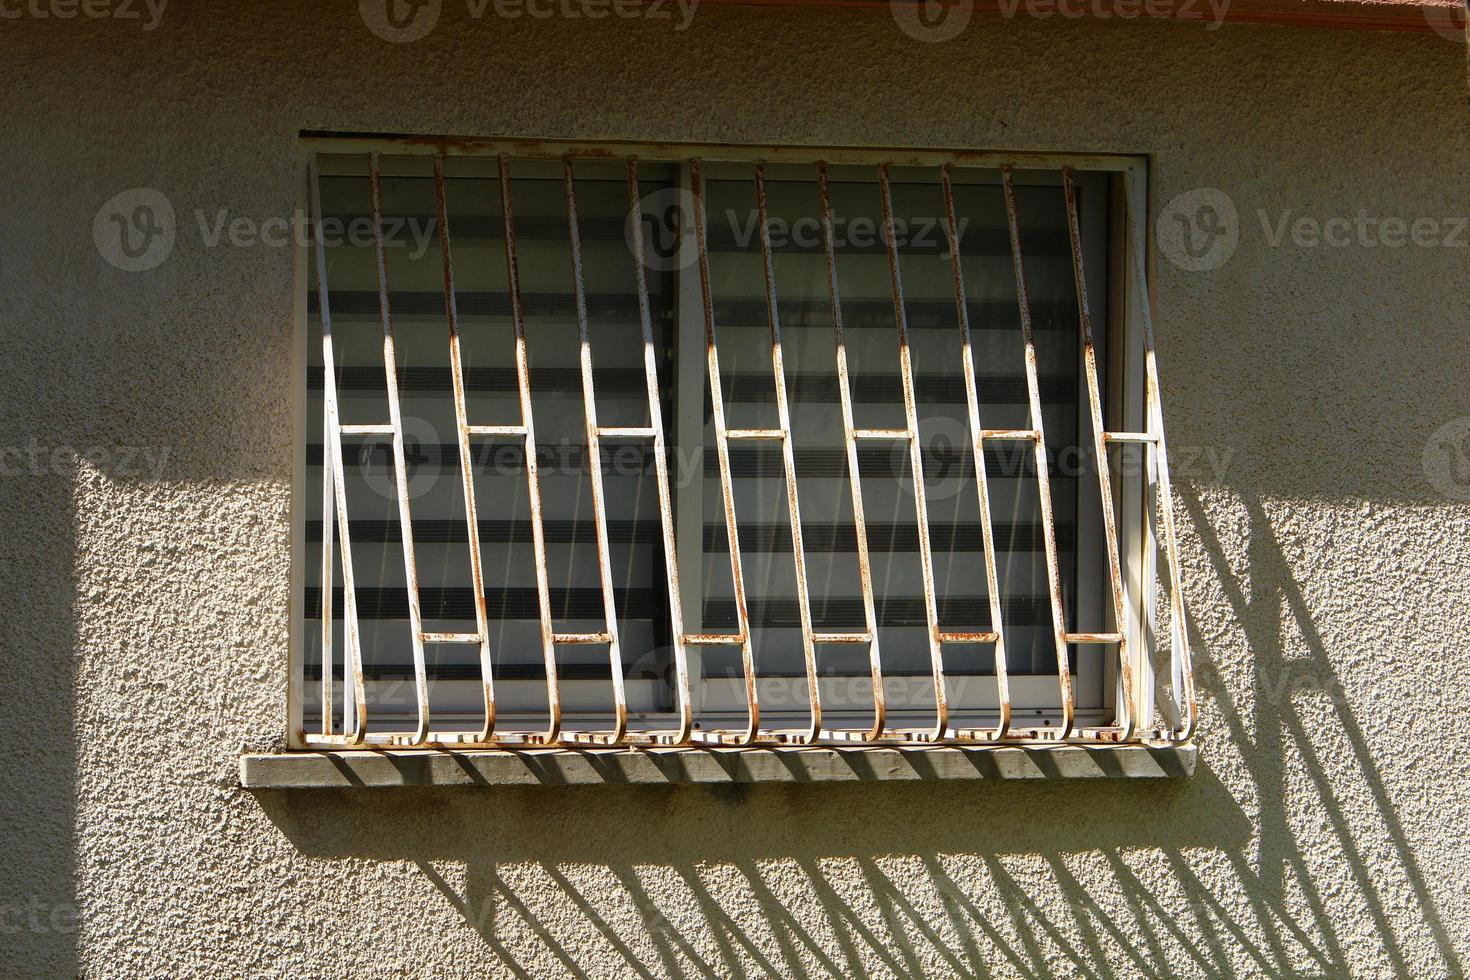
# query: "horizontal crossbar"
{"points": [[1130, 437], [773, 434], [581, 637], [452, 637], [496, 430]]}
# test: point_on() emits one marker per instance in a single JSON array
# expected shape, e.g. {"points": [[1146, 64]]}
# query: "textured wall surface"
{"points": [[143, 611]]}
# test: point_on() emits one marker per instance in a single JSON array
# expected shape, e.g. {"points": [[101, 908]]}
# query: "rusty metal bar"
{"points": [[916, 460], [1127, 719], [1180, 657], [533, 480], [1043, 476], [722, 453], [466, 469], [982, 483], [594, 471], [854, 474], [334, 501], [661, 468], [788, 458], [400, 466]]}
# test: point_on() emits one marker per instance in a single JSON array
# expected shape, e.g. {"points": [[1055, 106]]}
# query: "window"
{"points": [[714, 445]]}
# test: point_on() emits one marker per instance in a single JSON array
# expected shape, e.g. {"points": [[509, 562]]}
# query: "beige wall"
{"points": [[143, 619]]}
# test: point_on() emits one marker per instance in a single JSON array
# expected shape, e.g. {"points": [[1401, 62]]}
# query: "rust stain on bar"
{"points": [[594, 471], [1043, 477], [467, 478], [1127, 714], [977, 449], [788, 458], [916, 458], [661, 466], [854, 476], [400, 466], [722, 452], [533, 480]]}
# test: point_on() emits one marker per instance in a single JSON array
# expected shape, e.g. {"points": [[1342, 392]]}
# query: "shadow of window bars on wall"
{"points": [[731, 447]]}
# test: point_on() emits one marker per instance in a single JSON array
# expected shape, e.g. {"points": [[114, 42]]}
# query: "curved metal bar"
{"points": [[533, 479], [916, 460], [334, 503], [660, 460], [854, 475], [977, 447], [594, 461], [466, 457], [1043, 476], [1129, 720], [788, 459], [722, 452], [400, 467]]}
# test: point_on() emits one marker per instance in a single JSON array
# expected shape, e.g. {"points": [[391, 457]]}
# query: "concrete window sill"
{"points": [[556, 767]]}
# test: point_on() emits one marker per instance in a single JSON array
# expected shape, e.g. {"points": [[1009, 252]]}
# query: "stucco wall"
{"points": [[143, 614]]}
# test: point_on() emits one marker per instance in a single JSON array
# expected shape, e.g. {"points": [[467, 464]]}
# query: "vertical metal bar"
{"points": [[533, 481], [854, 475], [788, 457], [594, 460], [1180, 657], [334, 500], [1100, 448], [328, 667], [400, 467], [660, 458], [722, 449], [466, 456], [977, 447], [916, 459], [1043, 476]]}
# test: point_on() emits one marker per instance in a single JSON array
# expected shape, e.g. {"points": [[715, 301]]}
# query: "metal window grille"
{"points": [[345, 716]]}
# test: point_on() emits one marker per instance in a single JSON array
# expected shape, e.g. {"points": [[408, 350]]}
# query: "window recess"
{"points": [[729, 446]]}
